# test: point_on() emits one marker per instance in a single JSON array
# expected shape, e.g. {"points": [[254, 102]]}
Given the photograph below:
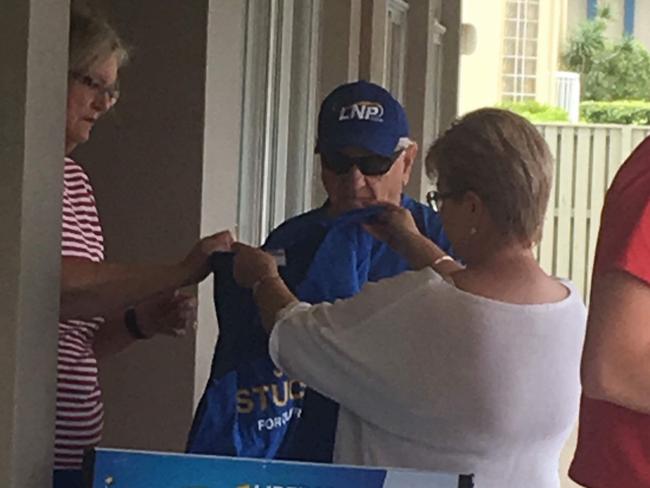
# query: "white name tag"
{"points": [[279, 255]]}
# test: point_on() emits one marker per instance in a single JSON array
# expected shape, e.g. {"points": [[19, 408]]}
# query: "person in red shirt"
{"points": [[614, 430]]}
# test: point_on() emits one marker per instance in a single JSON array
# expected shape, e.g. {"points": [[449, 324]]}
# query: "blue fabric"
{"points": [[67, 479], [250, 408]]}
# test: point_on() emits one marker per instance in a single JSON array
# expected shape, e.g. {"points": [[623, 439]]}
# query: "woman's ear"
{"points": [[475, 209], [474, 202]]}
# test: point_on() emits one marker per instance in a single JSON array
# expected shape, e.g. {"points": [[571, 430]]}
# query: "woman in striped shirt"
{"points": [[104, 307]]}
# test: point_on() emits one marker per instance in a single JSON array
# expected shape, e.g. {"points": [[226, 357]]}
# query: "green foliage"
{"points": [[609, 70], [623, 74], [536, 112], [587, 43], [635, 112]]}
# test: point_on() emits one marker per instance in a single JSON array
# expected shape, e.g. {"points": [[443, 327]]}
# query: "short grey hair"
{"points": [[504, 159], [92, 40]]}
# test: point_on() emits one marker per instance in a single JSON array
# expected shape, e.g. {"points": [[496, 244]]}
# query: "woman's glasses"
{"points": [[110, 91], [435, 199]]}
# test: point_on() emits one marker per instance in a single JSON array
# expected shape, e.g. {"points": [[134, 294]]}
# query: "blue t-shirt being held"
{"points": [[249, 407]]}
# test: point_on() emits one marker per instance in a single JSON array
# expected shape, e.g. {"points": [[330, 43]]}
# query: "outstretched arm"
{"points": [[91, 289]]}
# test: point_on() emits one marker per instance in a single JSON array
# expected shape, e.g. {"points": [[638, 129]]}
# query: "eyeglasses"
{"points": [[372, 165], [435, 199], [112, 91]]}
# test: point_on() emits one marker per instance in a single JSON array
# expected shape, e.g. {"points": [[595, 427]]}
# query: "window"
{"points": [[279, 104], [519, 64]]}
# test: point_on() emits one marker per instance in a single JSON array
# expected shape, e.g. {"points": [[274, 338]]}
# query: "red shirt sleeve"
{"points": [[624, 239]]}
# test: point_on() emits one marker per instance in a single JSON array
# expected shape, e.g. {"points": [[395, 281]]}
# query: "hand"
{"points": [[393, 225], [196, 265], [167, 313], [252, 264]]}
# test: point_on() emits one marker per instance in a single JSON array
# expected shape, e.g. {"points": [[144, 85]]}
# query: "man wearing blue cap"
{"points": [[365, 151], [250, 408]]}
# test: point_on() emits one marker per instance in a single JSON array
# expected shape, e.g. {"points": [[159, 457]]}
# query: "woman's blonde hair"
{"points": [[503, 158], [92, 39]]}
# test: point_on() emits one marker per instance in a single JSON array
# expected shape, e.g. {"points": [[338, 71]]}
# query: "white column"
{"points": [[422, 79], [431, 93], [221, 153], [33, 56], [374, 41]]}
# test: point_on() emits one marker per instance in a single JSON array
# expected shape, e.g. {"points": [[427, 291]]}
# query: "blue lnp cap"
{"points": [[361, 114]]}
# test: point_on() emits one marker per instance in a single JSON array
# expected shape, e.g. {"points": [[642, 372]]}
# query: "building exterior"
{"points": [[511, 48], [510, 51], [629, 17]]}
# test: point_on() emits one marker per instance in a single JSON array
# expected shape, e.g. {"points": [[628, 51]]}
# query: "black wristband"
{"points": [[131, 322]]}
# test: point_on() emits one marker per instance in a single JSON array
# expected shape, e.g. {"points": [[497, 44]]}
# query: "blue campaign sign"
{"points": [[110, 468]]}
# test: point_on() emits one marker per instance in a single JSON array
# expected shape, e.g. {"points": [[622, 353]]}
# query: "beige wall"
{"points": [[33, 56], [340, 43], [480, 78], [480, 71], [576, 12], [553, 28], [642, 22], [615, 29]]}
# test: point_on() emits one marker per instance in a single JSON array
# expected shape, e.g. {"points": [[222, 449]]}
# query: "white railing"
{"points": [[567, 90], [587, 157]]}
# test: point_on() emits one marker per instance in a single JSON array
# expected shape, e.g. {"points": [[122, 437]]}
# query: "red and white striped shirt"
{"points": [[79, 408]]}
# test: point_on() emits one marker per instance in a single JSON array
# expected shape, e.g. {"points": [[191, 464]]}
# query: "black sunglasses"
{"points": [[371, 165]]}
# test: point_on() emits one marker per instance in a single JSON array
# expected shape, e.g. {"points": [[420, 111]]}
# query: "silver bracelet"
{"points": [[441, 259]]}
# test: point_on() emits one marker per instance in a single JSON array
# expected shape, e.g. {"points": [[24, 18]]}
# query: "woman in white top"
{"points": [[469, 369]]}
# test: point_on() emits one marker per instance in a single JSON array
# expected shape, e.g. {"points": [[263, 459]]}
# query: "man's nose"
{"points": [[355, 177]]}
